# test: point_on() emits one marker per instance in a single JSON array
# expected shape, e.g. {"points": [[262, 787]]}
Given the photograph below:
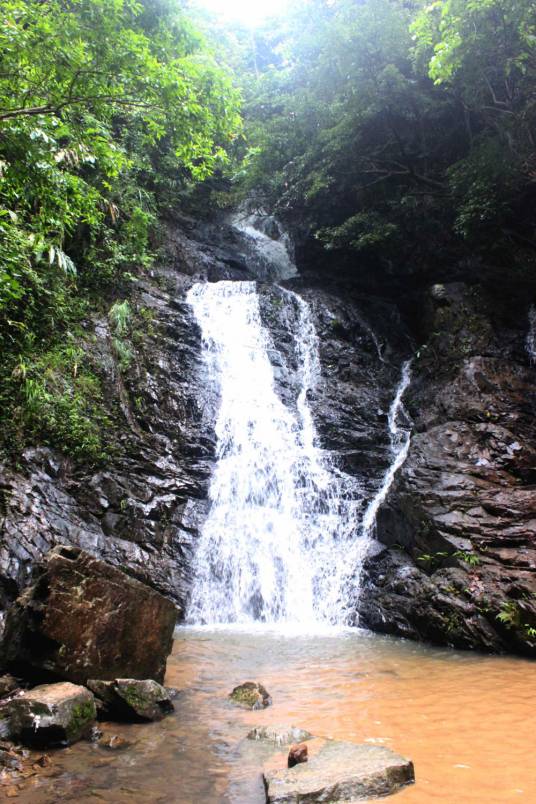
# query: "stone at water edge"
{"points": [[82, 618], [52, 714], [251, 695], [279, 735], [297, 755], [8, 685], [133, 698], [340, 771]]}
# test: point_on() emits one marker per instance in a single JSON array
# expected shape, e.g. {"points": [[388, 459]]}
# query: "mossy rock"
{"points": [[52, 714], [251, 695], [133, 699]]}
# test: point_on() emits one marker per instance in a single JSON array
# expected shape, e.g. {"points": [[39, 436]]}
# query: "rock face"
{"points": [[82, 618], [251, 695], [130, 698], [52, 714], [457, 560], [340, 772]]}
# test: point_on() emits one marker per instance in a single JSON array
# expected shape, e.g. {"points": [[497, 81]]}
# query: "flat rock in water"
{"points": [[133, 698], [82, 618], [52, 714], [340, 771], [251, 695], [279, 735]]}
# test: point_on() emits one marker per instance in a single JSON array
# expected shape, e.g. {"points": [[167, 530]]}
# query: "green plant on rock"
{"points": [[509, 614], [469, 558], [432, 560]]}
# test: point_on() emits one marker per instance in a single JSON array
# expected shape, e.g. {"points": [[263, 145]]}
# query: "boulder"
{"points": [[279, 735], [82, 618], [130, 698], [339, 771], [52, 714], [251, 695]]}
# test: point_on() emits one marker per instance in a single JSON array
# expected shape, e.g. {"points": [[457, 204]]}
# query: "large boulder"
{"points": [[131, 699], [82, 618], [339, 771], [52, 714]]}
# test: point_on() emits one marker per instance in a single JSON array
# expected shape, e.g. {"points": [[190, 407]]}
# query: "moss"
{"points": [[250, 695], [131, 694], [82, 715]]}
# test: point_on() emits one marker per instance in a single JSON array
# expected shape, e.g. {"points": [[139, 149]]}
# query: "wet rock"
{"points": [[9, 758], [8, 684], [114, 743], [82, 618], [297, 755], [130, 698], [458, 560], [279, 735], [251, 695], [340, 772], [52, 714]]}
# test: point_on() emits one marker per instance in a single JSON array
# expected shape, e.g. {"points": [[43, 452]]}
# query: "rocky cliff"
{"points": [[454, 560]]}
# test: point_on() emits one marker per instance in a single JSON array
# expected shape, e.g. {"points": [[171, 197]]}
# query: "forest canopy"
{"points": [[392, 126]]}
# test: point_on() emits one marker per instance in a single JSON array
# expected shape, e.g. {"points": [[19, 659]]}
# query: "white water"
{"points": [[273, 254], [530, 342], [286, 531]]}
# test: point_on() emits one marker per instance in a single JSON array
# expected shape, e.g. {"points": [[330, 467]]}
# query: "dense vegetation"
{"points": [[108, 108], [401, 131]]}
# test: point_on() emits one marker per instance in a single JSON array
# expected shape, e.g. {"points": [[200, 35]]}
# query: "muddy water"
{"points": [[467, 721]]}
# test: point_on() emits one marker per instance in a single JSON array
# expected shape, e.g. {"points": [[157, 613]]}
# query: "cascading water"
{"points": [[530, 342], [280, 538]]}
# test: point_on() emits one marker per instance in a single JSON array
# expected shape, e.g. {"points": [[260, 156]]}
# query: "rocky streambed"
{"points": [[462, 718]]}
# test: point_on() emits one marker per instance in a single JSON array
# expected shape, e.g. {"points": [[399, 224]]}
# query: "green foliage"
{"points": [[468, 558], [55, 398], [403, 131], [106, 110], [509, 614]]}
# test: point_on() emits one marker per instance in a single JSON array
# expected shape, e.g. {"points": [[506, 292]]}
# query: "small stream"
{"points": [[465, 720]]}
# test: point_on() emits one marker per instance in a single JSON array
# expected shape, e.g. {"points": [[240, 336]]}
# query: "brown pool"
{"points": [[467, 721]]}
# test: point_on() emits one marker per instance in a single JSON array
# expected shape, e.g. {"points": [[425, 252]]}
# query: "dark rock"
{"points": [[458, 565], [130, 698], [8, 684], [340, 772], [251, 695], [298, 753], [82, 618], [52, 714]]}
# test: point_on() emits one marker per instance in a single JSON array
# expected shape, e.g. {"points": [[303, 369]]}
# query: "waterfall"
{"points": [[271, 248], [283, 520], [530, 342]]}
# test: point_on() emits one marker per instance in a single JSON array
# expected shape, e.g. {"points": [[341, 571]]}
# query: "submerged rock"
{"points": [[340, 772], [251, 695], [52, 714], [279, 735], [131, 698], [82, 618]]}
